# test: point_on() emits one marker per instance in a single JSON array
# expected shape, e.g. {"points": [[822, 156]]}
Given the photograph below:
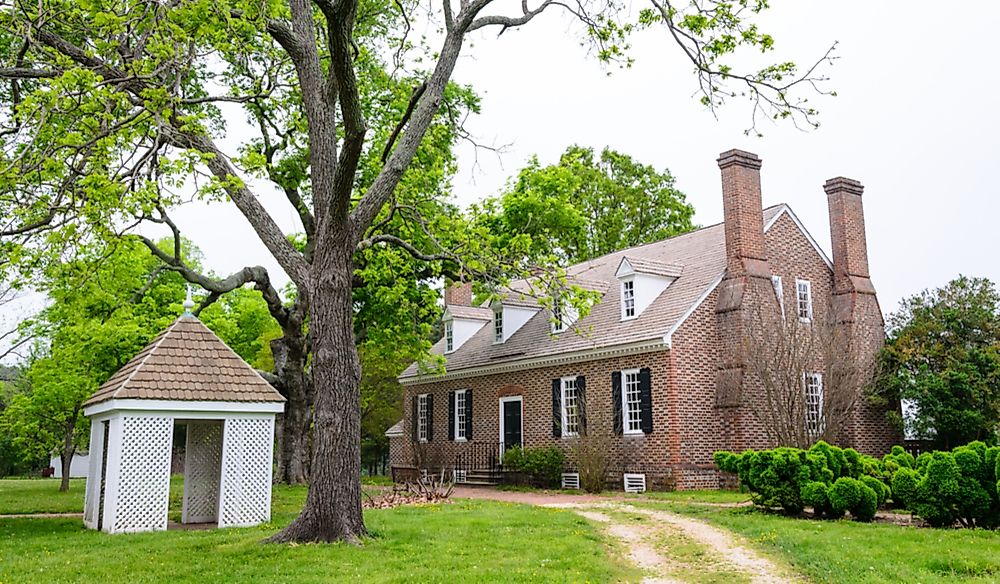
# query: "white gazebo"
{"points": [[186, 376]]}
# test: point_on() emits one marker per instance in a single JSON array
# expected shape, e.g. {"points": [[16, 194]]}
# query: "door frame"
{"points": [[503, 400]]}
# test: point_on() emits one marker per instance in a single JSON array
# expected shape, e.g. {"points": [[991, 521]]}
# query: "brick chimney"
{"points": [[744, 219], [458, 293], [847, 234]]}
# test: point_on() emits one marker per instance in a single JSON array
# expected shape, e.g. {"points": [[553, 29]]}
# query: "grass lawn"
{"points": [[40, 496], [844, 551], [465, 541]]}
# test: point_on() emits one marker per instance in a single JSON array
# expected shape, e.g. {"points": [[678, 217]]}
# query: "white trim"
{"points": [[498, 335], [798, 300], [190, 409], [422, 423], [563, 433], [625, 429], [786, 209], [645, 346], [511, 398], [621, 299], [449, 336], [454, 396]]}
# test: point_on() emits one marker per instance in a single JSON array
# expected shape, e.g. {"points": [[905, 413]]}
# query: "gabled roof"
{"points": [[187, 362], [702, 253], [651, 267], [395, 430]]}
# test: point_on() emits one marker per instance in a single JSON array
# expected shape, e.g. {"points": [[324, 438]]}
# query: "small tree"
{"points": [[782, 354]]}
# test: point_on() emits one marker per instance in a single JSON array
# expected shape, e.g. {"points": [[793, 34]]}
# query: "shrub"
{"points": [[881, 491], [815, 494], [939, 489], [904, 487], [545, 465], [849, 494]]}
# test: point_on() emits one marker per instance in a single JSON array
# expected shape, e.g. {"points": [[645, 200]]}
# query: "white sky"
{"points": [[915, 120]]}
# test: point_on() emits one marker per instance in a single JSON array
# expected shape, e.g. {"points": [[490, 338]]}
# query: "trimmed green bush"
{"points": [[876, 485], [849, 494], [904, 487], [815, 494], [545, 465]]}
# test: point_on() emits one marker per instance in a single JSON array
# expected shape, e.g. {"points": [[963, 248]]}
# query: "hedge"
{"points": [[943, 488], [545, 465]]}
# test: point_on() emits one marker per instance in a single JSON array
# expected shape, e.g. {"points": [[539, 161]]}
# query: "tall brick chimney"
{"points": [[744, 219], [847, 234], [458, 293]]}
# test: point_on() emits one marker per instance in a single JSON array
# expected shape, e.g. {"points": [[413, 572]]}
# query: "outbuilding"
{"points": [[187, 377]]}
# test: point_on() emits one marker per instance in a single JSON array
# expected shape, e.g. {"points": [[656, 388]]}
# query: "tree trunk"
{"points": [[333, 505], [289, 363], [68, 450]]}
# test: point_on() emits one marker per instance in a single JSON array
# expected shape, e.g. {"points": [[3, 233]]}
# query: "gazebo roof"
{"points": [[187, 362]]}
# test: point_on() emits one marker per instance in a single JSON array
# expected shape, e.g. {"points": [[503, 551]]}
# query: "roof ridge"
{"points": [[152, 349]]}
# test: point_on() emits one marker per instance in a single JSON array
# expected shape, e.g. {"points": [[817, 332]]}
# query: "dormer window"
{"points": [[498, 325], [628, 299], [449, 336], [558, 324]]}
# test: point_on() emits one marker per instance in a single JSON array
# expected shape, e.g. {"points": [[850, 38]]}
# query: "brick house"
{"points": [[661, 366]]}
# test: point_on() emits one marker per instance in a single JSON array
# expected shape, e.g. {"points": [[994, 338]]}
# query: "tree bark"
{"points": [[68, 450], [333, 505], [289, 363]]}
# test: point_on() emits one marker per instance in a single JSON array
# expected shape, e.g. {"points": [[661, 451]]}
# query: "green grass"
{"points": [[40, 496], [464, 541], [696, 496], [845, 551]]}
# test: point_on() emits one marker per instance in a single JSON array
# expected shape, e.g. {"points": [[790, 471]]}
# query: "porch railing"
{"points": [[479, 456]]}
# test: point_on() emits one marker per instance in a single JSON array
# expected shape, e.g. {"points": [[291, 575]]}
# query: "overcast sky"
{"points": [[915, 120]]}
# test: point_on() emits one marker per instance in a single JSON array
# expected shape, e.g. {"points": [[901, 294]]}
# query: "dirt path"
{"points": [[721, 552]]}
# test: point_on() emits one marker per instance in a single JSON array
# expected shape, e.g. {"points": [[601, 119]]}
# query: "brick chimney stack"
{"points": [[458, 293], [847, 234], [744, 218]]}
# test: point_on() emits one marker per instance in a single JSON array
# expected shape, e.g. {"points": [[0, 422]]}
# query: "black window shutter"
{"points": [[413, 418], [430, 417], [451, 415], [646, 400], [616, 400], [468, 414], [581, 403], [557, 407]]}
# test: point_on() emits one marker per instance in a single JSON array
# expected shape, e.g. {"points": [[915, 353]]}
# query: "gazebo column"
{"points": [[137, 481], [202, 466], [247, 454], [92, 495]]}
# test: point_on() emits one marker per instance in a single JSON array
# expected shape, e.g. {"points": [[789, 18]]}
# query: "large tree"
{"points": [[584, 207], [113, 105], [942, 358]]}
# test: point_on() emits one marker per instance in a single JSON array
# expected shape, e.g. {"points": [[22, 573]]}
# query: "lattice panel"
{"points": [[246, 481], [144, 474], [202, 467]]}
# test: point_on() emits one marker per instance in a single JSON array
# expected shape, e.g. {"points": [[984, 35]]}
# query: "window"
{"points": [[558, 325], [628, 299], [449, 336], [814, 404], [570, 407], [779, 293], [460, 412], [805, 301], [498, 325], [631, 402], [422, 413]]}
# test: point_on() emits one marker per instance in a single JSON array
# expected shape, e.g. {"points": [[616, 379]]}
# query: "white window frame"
{"points": [[563, 386], [626, 418], [779, 292], [460, 415], [449, 336], [628, 284], [497, 325], [812, 382], [422, 414], [803, 293], [558, 318]]}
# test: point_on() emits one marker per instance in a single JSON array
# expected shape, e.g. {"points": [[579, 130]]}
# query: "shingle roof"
{"points": [[702, 253], [187, 362], [470, 312], [656, 268], [395, 430]]}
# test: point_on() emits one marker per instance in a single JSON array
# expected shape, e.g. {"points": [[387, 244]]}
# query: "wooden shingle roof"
{"points": [[187, 362]]}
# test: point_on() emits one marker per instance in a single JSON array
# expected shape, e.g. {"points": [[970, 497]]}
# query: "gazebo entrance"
{"points": [[202, 471]]}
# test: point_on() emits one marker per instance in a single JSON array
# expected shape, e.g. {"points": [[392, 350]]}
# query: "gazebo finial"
{"points": [[188, 304]]}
